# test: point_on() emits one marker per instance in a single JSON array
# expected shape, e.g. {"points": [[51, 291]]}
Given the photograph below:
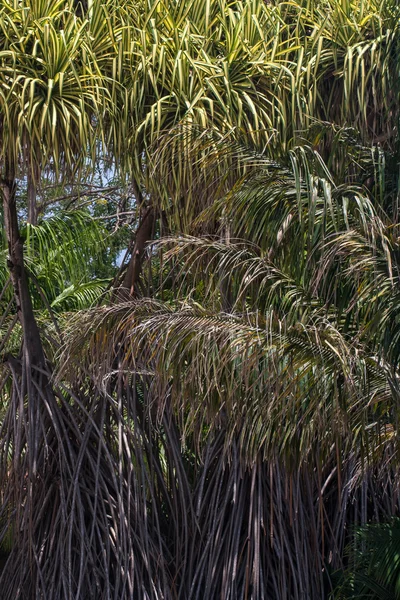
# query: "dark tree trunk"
{"points": [[144, 234], [32, 341]]}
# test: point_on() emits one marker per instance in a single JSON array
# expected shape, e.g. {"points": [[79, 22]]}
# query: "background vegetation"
{"points": [[200, 326]]}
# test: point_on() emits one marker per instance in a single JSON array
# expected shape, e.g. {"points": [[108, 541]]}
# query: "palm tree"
{"points": [[284, 405]]}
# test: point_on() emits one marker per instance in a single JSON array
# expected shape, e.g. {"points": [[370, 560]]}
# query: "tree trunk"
{"points": [[143, 235], [32, 342], [31, 193]]}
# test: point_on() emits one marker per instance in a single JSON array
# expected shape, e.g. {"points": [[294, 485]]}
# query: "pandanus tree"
{"points": [[53, 99], [50, 94], [191, 67], [254, 72]]}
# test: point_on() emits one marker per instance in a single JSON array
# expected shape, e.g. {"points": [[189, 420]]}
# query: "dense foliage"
{"points": [[216, 416]]}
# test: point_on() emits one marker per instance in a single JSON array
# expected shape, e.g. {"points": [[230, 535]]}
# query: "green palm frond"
{"points": [[59, 254], [80, 296], [374, 563], [61, 248], [293, 379]]}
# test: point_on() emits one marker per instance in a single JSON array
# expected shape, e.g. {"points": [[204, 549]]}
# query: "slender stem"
{"points": [[32, 341], [143, 235], [31, 192]]}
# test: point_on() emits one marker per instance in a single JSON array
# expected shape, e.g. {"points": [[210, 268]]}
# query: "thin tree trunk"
{"points": [[144, 234], [32, 341], [31, 192]]}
